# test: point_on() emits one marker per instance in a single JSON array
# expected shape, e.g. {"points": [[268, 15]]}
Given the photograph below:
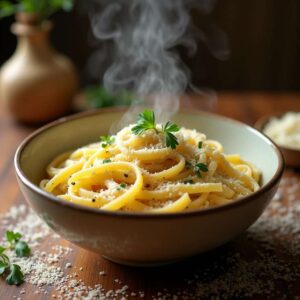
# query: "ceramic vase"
{"points": [[37, 84]]}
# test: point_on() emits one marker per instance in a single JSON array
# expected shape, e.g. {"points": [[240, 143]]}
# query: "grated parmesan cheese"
{"points": [[285, 131]]}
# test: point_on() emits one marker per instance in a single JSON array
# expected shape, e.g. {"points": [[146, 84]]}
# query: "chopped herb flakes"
{"points": [[105, 161], [200, 167], [106, 140]]}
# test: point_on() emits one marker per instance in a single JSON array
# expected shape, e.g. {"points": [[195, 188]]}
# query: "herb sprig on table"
{"points": [[146, 121], [13, 272]]}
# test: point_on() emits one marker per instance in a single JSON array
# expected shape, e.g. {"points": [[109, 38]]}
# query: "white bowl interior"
{"points": [[236, 138]]}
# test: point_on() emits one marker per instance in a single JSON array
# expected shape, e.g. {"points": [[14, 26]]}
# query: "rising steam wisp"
{"points": [[145, 33]]}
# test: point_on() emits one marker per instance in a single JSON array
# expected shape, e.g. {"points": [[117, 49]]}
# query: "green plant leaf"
{"points": [[171, 140], [106, 161], [98, 96], [106, 140], [200, 167], [16, 276], [7, 9], [145, 121], [22, 249], [4, 258], [3, 267], [13, 237], [171, 127], [67, 5], [123, 185]]}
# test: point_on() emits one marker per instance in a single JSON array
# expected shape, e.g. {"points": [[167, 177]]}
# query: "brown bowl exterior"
{"points": [[138, 238]]}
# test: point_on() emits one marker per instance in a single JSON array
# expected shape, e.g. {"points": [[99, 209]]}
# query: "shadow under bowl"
{"points": [[143, 239]]}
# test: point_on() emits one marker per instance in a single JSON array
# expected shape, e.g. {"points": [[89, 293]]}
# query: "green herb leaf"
{"points": [[147, 117], [105, 161], [22, 249], [170, 127], [123, 185], [200, 144], [4, 259], [13, 237], [2, 249], [145, 121], [7, 9], [106, 140], [67, 5], [3, 267], [42, 8], [15, 276], [97, 96], [171, 140], [200, 167]]}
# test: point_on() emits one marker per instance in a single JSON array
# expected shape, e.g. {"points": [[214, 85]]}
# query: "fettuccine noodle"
{"points": [[140, 173]]}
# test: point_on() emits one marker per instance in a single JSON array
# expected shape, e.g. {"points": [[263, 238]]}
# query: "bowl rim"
{"points": [[205, 211]]}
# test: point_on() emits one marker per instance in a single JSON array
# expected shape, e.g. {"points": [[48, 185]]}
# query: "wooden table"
{"points": [[247, 107]]}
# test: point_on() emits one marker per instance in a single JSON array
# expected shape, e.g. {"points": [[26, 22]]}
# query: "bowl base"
{"points": [[142, 264]]}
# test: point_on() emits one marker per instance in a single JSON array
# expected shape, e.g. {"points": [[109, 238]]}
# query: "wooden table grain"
{"points": [[246, 107]]}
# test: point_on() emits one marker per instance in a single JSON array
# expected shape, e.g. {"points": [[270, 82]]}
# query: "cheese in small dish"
{"points": [[285, 130]]}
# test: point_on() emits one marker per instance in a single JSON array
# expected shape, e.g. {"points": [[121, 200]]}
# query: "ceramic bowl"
{"points": [[138, 238], [291, 156]]}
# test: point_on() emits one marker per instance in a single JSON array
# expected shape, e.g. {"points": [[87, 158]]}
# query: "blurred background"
{"points": [[262, 38]]}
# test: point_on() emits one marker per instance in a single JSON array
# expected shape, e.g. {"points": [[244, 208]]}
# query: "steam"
{"points": [[145, 33]]}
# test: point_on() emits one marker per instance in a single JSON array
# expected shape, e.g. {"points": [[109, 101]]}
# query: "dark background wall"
{"points": [[263, 38]]}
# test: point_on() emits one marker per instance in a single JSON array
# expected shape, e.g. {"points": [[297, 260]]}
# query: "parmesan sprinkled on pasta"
{"points": [[140, 173]]}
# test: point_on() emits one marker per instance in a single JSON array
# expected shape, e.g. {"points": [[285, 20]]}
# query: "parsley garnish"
{"points": [[105, 161], [106, 140], [171, 140], [123, 185], [146, 121], [200, 167], [21, 248], [200, 144], [12, 237], [15, 276]]}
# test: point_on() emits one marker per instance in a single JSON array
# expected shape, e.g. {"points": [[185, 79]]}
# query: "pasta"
{"points": [[155, 171]]}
